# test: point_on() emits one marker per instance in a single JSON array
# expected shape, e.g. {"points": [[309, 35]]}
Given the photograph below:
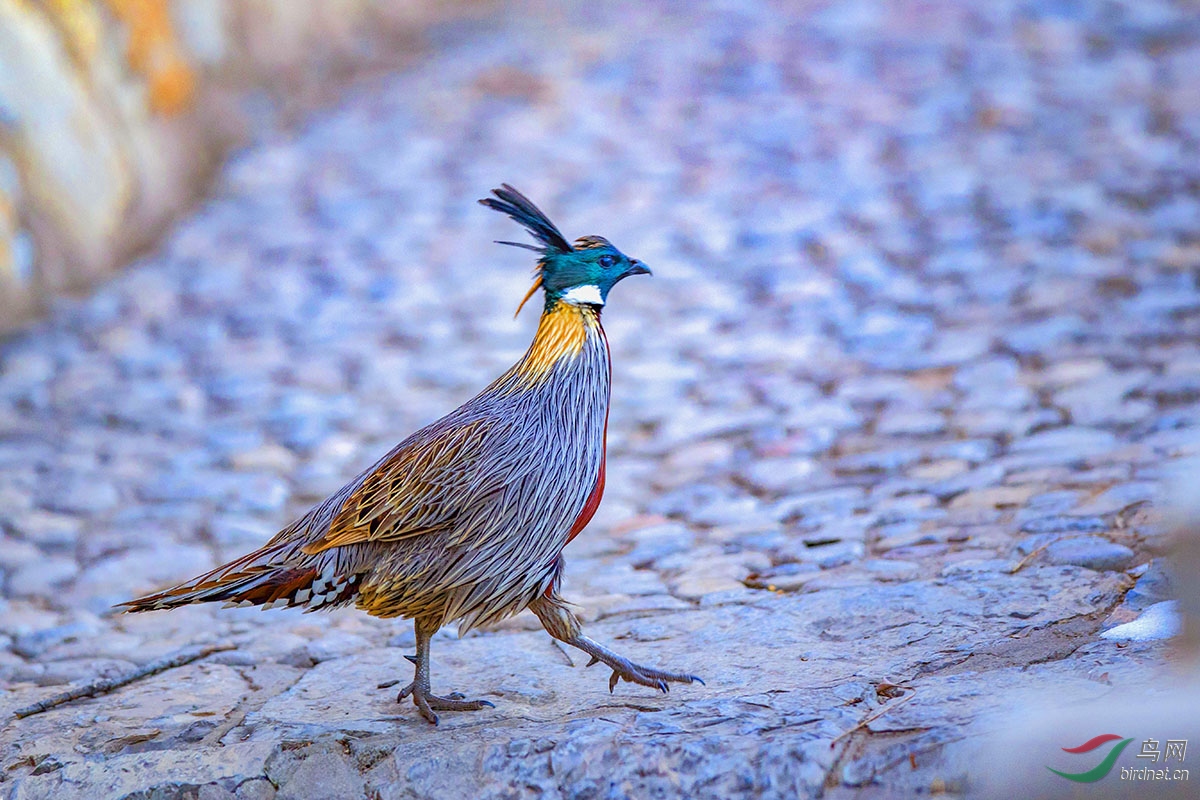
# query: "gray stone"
{"points": [[883, 460], [48, 530], [1076, 441], [256, 789], [708, 576], [41, 578], [783, 578], [780, 476], [1064, 524], [335, 645], [165, 771], [32, 645], [112, 578], [78, 495], [986, 475], [1155, 585], [728, 511], [241, 532], [1092, 552], [971, 450], [1118, 498], [321, 776], [15, 553], [1103, 399], [840, 501], [659, 541], [889, 570], [213, 791], [911, 423]]}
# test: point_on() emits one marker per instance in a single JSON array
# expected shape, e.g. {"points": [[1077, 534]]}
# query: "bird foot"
{"points": [[624, 669], [427, 703]]}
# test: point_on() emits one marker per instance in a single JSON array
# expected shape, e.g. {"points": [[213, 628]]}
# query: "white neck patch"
{"points": [[588, 294]]}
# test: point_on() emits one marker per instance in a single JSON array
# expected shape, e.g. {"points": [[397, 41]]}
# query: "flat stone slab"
{"points": [[807, 671]]}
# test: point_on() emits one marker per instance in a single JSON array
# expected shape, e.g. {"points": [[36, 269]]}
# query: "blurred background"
{"points": [[905, 413], [115, 115]]}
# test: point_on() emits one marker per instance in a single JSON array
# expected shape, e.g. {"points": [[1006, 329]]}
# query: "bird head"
{"points": [[582, 273]]}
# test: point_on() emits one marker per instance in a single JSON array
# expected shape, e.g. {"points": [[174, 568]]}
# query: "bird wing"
{"points": [[418, 488]]}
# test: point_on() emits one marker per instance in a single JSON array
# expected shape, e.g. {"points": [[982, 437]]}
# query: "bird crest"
{"points": [[582, 273], [521, 210]]}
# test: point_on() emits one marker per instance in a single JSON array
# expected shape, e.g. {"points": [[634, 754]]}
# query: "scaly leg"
{"points": [[562, 624], [425, 701]]}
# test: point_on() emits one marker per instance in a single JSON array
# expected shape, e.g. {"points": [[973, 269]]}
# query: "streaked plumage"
{"points": [[466, 519]]}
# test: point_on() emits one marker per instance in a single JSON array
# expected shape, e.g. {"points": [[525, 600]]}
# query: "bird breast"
{"points": [[508, 513]]}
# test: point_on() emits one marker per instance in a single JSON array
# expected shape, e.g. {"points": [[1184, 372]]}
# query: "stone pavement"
{"points": [[891, 430]]}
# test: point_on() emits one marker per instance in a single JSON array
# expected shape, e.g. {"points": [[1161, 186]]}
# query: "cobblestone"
{"points": [[898, 405]]}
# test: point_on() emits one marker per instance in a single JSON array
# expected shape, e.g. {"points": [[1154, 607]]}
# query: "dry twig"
{"points": [[879, 712]]}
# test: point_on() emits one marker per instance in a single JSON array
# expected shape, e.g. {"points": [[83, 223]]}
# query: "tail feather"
{"points": [[257, 579]]}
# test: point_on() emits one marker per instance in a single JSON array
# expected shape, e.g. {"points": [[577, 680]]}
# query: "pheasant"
{"points": [[466, 519]]}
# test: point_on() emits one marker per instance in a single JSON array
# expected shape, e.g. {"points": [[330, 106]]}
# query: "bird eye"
{"points": [[606, 261]]}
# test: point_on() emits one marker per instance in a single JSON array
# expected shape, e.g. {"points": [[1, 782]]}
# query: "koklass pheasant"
{"points": [[466, 519]]}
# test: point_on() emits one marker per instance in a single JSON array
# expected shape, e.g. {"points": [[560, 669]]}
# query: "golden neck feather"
{"points": [[562, 332]]}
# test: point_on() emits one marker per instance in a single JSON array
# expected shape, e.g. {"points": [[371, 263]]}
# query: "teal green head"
{"points": [[582, 273]]}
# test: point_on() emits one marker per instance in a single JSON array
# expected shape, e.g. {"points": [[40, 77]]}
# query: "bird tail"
{"points": [[261, 578]]}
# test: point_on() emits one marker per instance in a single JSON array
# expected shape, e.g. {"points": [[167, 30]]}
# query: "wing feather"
{"points": [[415, 490]]}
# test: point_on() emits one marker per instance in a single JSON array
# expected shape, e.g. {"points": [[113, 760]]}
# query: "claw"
{"points": [[696, 679], [387, 684], [625, 670], [412, 659], [423, 707], [428, 703], [595, 660]]}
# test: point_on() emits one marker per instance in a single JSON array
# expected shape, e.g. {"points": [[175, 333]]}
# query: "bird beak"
{"points": [[636, 268]]}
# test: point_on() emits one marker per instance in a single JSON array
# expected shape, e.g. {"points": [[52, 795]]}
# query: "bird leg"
{"points": [[427, 702], [623, 668], [562, 624]]}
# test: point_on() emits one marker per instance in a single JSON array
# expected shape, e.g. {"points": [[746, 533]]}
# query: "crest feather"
{"points": [[591, 242], [521, 210]]}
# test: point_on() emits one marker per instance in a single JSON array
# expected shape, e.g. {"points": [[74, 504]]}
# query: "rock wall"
{"points": [[113, 114]]}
